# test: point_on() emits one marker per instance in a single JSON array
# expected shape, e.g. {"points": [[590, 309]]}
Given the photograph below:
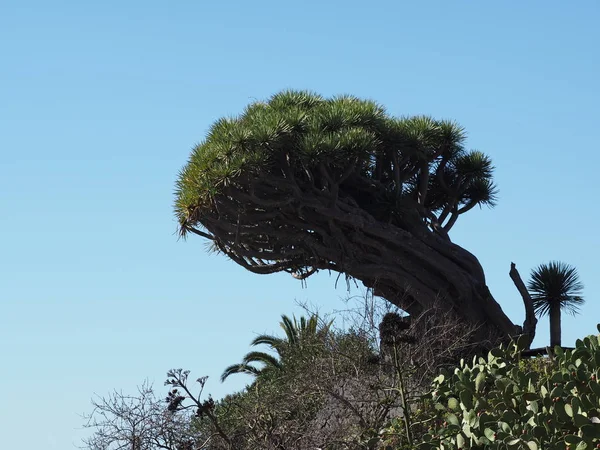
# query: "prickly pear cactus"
{"points": [[500, 403]]}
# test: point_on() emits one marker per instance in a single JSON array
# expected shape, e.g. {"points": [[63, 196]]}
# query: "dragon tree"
{"points": [[302, 183]]}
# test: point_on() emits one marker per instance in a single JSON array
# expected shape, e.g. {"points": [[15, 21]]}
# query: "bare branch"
{"points": [[137, 422], [529, 325]]}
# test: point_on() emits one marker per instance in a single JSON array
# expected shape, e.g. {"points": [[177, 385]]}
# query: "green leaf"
{"points": [[539, 432], [460, 441], [510, 416], [467, 430], [485, 418], [532, 445], [497, 353], [479, 381], [582, 446], [522, 342], [595, 387], [571, 439], [466, 399], [568, 410], [597, 357], [505, 427], [453, 403], [470, 417], [591, 431], [490, 434], [559, 407], [580, 420], [512, 441], [452, 419], [588, 401], [534, 406]]}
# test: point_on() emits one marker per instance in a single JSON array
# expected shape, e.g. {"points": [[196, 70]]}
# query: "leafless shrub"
{"points": [[139, 422]]}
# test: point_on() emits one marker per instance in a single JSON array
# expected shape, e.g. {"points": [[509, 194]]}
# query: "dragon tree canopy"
{"points": [[300, 183]]}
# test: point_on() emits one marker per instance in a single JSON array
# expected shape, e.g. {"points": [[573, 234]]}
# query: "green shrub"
{"points": [[503, 402], [321, 398]]}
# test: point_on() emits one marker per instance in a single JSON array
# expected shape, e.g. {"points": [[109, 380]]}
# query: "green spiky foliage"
{"points": [[301, 183], [298, 334], [329, 140], [500, 402], [555, 287]]}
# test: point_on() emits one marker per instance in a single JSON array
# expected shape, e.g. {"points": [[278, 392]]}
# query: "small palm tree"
{"points": [[555, 287], [298, 333]]}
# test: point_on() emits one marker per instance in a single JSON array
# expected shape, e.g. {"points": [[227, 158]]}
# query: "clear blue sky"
{"points": [[101, 102]]}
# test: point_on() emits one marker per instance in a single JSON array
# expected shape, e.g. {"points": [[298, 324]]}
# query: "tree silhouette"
{"points": [[301, 183], [555, 287]]}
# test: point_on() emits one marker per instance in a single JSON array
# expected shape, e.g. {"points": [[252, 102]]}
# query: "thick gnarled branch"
{"points": [[402, 260], [529, 325]]}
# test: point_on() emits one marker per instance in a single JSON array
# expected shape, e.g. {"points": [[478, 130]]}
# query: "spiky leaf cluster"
{"points": [[555, 284], [298, 143]]}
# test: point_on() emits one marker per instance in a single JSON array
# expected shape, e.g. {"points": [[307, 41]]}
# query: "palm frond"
{"points": [[261, 357], [301, 323], [272, 341], [555, 284], [326, 327], [311, 325], [290, 329], [239, 368], [297, 331]]}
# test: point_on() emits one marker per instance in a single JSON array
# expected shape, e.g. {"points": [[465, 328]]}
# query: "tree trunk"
{"points": [[530, 322], [416, 271], [401, 259], [555, 330]]}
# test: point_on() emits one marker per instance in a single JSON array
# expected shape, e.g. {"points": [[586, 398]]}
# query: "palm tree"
{"points": [[298, 334], [554, 287]]}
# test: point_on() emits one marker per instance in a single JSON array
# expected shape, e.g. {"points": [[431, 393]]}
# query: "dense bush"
{"points": [[340, 389], [501, 402], [330, 393]]}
